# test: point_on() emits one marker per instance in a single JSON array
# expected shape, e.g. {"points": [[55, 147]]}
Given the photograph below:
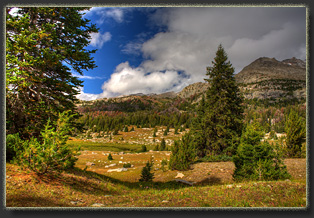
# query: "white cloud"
{"points": [[116, 14], [98, 39], [86, 96], [106, 14], [128, 80], [191, 39], [87, 77]]}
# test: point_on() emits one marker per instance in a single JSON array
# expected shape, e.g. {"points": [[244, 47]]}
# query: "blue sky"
{"points": [[155, 50]]}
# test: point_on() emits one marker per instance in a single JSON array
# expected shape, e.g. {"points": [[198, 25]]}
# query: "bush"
{"points": [[110, 157], [156, 148], [143, 149], [216, 158], [164, 162], [50, 152], [162, 146], [13, 144], [256, 160], [183, 154], [126, 165], [146, 174]]}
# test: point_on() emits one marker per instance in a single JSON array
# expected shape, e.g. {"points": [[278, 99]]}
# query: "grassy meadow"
{"points": [[92, 183]]}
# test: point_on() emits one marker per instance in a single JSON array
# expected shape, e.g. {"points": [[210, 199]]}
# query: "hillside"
{"points": [[265, 79]]}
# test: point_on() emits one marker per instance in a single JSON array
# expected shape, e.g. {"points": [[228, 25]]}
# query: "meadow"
{"points": [[95, 181]]}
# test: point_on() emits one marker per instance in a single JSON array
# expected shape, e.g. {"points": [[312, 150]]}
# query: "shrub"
{"points": [[143, 149], [164, 162], [162, 145], [110, 157], [50, 152], [126, 129], [146, 174], [13, 143], [126, 165], [156, 148], [183, 154], [256, 160]]}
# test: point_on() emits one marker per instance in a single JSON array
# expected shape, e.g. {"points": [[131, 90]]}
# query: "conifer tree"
{"points": [[218, 126], [42, 43], [295, 130], [162, 145]]}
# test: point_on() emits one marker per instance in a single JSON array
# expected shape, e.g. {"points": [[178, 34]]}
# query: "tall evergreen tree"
{"points": [[295, 130], [42, 44], [218, 126]]}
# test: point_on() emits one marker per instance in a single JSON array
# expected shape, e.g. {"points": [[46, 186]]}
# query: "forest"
{"points": [[50, 133]]}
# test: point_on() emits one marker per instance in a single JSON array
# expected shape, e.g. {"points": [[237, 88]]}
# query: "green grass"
{"points": [[104, 146], [87, 188]]}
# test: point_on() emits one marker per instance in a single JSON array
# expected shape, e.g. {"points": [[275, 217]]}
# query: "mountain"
{"points": [[263, 79], [269, 69], [268, 78]]}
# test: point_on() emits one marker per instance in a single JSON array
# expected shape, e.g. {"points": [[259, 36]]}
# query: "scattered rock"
{"points": [[229, 186], [185, 182], [180, 175], [118, 170], [287, 180], [165, 201], [74, 202], [121, 158], [120, 162], [90, 164], [97, 205]]}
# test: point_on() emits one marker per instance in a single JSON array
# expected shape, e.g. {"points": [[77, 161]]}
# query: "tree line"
{"points": [[44, 45]]}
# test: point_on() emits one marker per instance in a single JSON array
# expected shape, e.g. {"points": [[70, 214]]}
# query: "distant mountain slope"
{"points": [[269, 69], [263, 79]]}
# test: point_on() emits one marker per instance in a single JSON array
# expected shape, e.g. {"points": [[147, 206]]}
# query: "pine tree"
{"points": [[257, 160], [218, 125], [110, 157], [162, 145], [182, 153], [42, 43], [295, 130], [146, 174]]}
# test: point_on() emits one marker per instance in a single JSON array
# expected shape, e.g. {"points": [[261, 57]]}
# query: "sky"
{"points": [[155, 50]]}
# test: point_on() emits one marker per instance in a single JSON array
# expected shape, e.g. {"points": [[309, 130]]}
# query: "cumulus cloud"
{"points": [[98, 39], [86, 96], [129, 80], [179, 56], [106, 14]]}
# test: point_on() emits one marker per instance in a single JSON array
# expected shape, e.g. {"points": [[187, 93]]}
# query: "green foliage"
{"points": [[295, 130], [13, 144], [115, 131], [162, 146], [143, 149], [272, 135], [256, 160], [146, 174], [156, 148], [126, 165], [218, 125], [164, 162], [183, 154], [216, 158], [41, 44], [126, 129], [50, 152], [110, 157]]}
